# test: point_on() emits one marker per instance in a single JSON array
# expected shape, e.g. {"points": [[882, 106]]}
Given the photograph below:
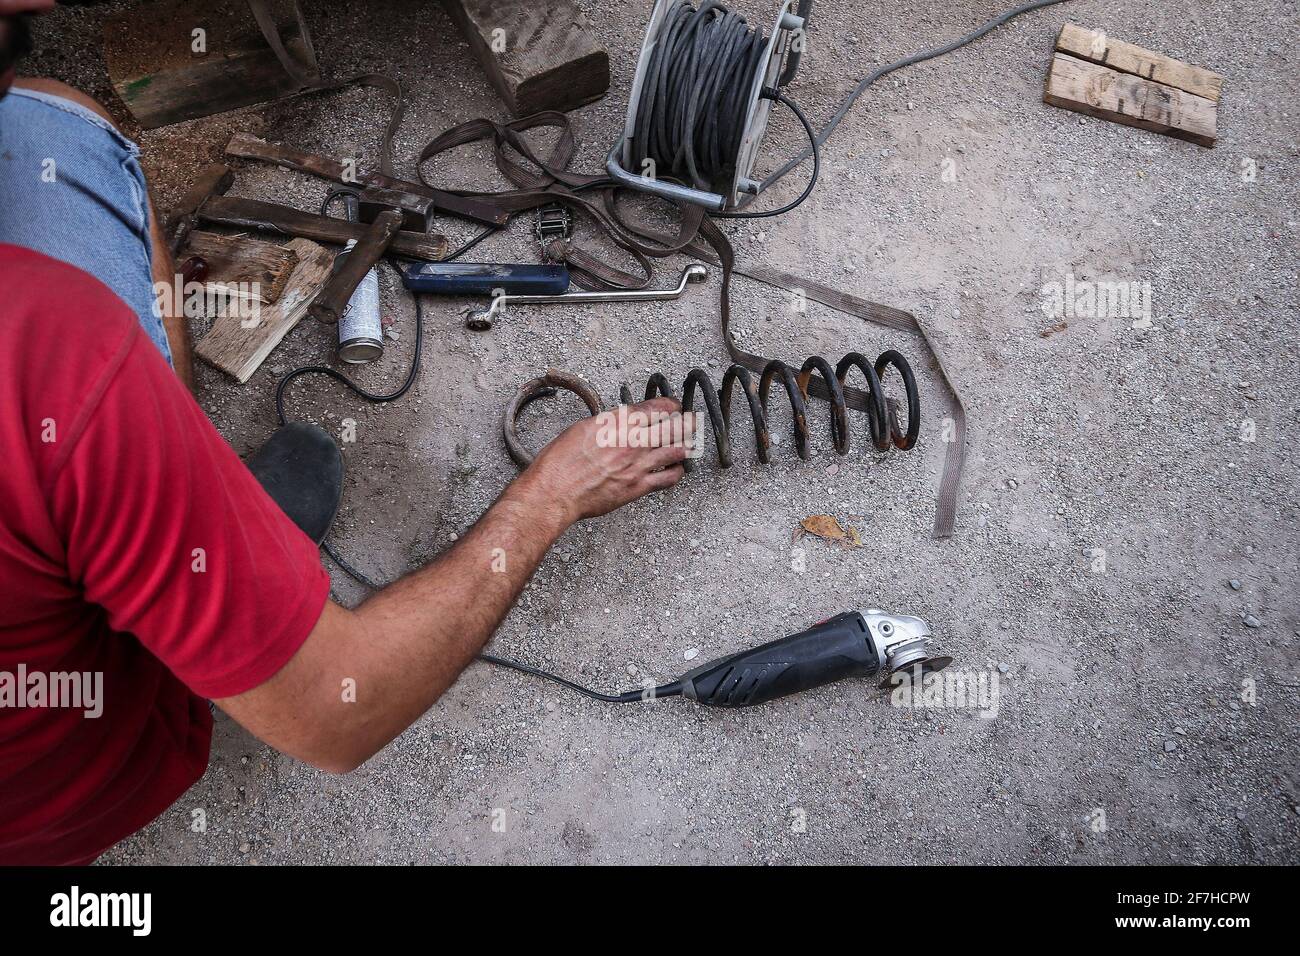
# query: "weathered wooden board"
{"points": [[538, 54], [1096, 47], [166, 70], [287, 221], [1099, 91], [238, 346], [243, 267]]}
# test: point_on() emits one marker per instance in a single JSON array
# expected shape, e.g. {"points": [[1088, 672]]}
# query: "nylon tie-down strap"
{"points": [[595, 197]]}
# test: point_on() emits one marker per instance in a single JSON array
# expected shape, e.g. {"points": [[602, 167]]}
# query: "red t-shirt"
{"points": [[135, 545]]}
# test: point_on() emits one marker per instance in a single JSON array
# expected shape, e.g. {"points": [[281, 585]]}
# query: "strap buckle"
{"points": [[553, 222]]}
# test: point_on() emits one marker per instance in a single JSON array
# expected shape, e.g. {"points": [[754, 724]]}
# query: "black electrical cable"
{"points": [[694, 102], [690, 121], [781, 98], [672, 689], [417, 349], [847, 103]]}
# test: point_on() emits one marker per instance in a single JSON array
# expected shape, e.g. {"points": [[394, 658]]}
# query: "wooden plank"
{"points": [[287, 221], [465, 207], [238, 266], [165, 73], [1096, 47], [538, 55], [238, 347], [1123, 98]]}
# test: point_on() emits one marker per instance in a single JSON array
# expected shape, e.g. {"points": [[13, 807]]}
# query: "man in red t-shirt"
{"points": [[144, 570]]}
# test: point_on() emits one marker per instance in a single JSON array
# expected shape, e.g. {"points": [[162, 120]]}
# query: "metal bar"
{"points": [[481, 319]]}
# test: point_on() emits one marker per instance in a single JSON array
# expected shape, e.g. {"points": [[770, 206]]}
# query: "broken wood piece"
{"points": [[213, 181], [243, 268], [238, 344], [245, 146], [1096, 47], [287, 221], [359, 260], [1099, 91], [538, 56], [174, 60]]}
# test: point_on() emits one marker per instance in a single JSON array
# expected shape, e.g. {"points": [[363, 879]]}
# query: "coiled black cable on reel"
{"points": [[882, 413], [699, 104]]}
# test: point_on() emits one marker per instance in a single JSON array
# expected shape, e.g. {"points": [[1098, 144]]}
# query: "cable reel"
{"points": [[725, 88]]}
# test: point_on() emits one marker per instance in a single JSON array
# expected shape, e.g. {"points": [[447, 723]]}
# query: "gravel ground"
{"points": [[1124, 564]]}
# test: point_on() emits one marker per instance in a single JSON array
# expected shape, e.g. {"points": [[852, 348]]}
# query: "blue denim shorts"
{"points": [[71, 187]]}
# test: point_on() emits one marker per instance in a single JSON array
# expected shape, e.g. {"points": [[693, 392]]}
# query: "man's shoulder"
{"points": [[66, 335]]}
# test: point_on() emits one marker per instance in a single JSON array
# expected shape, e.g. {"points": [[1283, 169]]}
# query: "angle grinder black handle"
{"points": [[837, 648]]}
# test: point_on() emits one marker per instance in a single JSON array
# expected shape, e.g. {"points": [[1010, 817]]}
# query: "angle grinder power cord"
{"points": [[851, 644]]}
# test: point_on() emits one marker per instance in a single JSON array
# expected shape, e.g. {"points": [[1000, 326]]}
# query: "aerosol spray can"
{"points": [[361, 333]]}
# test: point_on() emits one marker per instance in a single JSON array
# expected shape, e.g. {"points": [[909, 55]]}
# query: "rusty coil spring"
{"points": [[882, 412]]}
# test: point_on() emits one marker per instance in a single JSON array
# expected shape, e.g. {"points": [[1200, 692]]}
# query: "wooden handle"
{"points": [[333, 299]]}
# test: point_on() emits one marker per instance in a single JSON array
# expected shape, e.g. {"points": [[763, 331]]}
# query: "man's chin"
{"points": [[15, 43]]}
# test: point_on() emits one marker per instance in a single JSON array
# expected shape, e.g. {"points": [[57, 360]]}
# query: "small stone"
{"points": [[694, 542], [1180, 731], [1241, 814], [1234, 705], [453, 536], [691, 653], [631, 669], [832, 469], [1235, 584], [1171, 746], [1003, 668], [1250, 620], [244, 848], [550, 705]]}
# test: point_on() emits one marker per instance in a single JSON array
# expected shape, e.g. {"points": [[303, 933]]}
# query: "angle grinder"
{"points": [[852, 644]]}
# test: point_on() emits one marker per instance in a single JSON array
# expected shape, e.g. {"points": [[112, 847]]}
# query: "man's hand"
{"points": [[602, 463]]}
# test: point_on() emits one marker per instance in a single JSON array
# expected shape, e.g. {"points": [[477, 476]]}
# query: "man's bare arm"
{"points": [[406, 645]]}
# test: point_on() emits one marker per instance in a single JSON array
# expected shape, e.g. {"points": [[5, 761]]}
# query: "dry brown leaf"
{"points": [[825, 526]]}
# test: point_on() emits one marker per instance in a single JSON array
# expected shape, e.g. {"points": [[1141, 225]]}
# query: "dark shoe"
{"points": [[302, 470]]}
